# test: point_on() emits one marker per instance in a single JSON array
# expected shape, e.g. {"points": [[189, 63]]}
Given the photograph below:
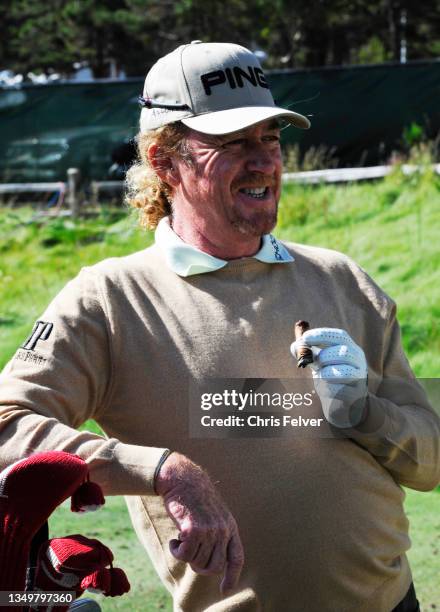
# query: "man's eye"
{"points": [[272, 138], [235, 142]]}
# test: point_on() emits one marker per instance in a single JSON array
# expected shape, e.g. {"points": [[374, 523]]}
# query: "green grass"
{"points": [[423, 513], [391, 228], [111, 525]]}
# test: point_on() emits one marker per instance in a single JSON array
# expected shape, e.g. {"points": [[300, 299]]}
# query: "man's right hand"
{"points": [[208, 534]]}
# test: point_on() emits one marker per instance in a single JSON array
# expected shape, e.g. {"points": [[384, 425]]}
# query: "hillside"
{"points": [[391, 228]]}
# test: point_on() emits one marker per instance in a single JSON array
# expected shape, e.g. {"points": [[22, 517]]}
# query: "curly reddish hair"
{"points": [[146, 192]]}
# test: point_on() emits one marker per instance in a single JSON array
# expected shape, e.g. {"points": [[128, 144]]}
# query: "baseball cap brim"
{"points": [[236, 119]]}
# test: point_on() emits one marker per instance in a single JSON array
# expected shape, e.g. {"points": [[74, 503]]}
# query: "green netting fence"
{"points": [[359, 111]]}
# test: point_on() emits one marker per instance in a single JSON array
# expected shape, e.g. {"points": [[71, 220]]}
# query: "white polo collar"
{"points": [[186, 260]]}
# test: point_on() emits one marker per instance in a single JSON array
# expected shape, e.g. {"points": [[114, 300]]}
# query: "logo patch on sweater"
{"points": [[30, 356], [41, 331]]}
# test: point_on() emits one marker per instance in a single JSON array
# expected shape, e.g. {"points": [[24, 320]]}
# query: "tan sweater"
{"points": [[322, 520]]}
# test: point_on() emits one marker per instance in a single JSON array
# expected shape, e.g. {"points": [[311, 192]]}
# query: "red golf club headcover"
{"points": [[30, 490], [64, 562], [110, 582]]}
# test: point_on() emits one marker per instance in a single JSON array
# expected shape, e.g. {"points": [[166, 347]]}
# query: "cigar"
{"points": [[305, 355]]}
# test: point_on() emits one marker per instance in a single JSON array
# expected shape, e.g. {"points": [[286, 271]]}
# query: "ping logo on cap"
{"points": [[235, 77]]}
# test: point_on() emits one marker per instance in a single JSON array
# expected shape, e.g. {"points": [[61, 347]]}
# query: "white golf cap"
{"points": [[214, 88]]}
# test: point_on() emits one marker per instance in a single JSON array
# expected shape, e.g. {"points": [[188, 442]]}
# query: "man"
{"points": [[281, 523]]}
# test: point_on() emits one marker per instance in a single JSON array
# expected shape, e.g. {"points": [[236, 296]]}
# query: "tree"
{"points": [[132, 34]]}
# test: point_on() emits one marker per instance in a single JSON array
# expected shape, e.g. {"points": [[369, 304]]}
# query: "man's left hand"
{"points": [[339, 371], [208, 534]]}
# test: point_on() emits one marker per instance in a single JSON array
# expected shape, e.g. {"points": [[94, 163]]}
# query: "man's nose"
{"points": [[261, 160]]}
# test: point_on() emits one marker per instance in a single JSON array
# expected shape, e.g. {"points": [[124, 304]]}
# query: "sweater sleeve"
{"points": [[60, 377], [401, 430]]}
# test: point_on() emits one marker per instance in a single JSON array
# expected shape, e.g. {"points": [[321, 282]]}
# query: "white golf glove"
{"points": [[339, 372]]}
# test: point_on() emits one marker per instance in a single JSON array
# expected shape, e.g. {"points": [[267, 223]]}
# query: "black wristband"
{"points": [[162, 460]]}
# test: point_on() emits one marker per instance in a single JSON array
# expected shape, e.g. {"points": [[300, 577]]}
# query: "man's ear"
{"points": [[163, 166]]}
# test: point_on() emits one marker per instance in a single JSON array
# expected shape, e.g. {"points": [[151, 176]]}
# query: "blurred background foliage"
{"points": [[130, 35]]}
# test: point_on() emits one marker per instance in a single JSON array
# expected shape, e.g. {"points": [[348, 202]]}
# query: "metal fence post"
{"points": [[73, 181]]}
